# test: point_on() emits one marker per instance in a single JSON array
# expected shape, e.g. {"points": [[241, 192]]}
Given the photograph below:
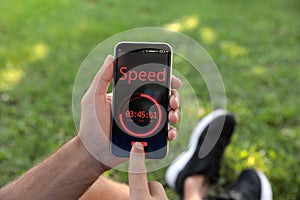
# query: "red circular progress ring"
{"points": [[149, 132]]}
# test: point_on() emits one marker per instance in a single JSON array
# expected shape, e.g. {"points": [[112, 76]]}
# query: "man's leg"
{"points": [[215, 130], [105, 188], [195, 187]]}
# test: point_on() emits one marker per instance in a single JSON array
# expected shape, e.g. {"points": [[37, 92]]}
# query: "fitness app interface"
{"points": [[140, 102]]}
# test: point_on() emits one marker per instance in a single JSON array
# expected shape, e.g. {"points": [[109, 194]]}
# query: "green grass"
{"points": [[255, 45]]}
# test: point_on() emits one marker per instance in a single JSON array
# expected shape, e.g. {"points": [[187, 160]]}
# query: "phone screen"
{"points": [[141, 91]]}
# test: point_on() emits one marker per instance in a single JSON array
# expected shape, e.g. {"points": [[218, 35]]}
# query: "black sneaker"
{"points": [[251, 185], [205, 152]]}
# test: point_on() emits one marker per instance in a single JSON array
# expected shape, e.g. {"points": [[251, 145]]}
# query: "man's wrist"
{"points": [[98, 167]]}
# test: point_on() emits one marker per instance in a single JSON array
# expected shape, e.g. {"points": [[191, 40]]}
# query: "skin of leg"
{"points": [[195, 187], [105, 188]]}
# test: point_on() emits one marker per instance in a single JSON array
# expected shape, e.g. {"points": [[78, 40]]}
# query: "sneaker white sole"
{"points": [[180, 162], [266, 189]]}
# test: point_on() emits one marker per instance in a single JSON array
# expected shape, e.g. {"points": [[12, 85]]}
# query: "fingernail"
{"points": [[139, 146], [107, 60]]}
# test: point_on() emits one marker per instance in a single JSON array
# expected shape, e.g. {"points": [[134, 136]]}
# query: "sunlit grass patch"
{"points": [[10, 75], [38, 51], [190, 23], [232, 49], [184, 24], [258, 70], [174, 26], [208, 35]]}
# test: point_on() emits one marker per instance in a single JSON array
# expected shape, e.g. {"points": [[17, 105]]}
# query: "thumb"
{"points": [[103, 77]]}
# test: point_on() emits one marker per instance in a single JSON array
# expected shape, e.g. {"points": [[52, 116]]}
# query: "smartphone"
{"points": [[142, 76]]}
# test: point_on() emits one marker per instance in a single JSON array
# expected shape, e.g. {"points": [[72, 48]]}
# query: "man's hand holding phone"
{"points": [[95, 123]]}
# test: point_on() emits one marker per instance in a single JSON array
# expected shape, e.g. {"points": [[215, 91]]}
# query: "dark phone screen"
{"points": [[140, 100]]}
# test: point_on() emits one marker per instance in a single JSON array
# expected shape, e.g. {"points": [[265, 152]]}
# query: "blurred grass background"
{"points": [[255, 44]]}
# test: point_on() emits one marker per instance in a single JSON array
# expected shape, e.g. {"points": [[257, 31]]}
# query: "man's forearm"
{"points": [[66, 174]]}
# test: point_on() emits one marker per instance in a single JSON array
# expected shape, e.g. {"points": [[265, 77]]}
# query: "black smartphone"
{"points": [[142, 76]]}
